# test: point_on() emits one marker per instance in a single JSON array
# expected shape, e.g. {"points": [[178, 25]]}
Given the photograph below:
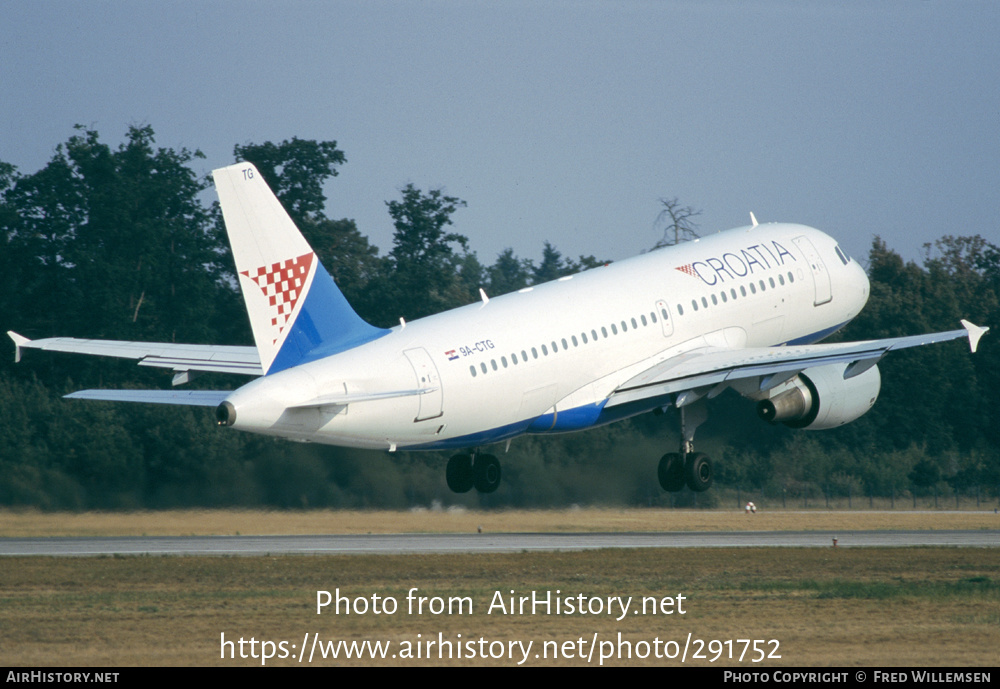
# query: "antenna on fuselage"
{"points": [[753, 219]]}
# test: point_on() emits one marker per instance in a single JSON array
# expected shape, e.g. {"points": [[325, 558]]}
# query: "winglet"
{"points": [[975, 332], [19, 341]]}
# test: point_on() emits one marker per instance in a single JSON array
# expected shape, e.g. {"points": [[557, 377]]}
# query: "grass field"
{"points": [[871, 607], [28, 523]]}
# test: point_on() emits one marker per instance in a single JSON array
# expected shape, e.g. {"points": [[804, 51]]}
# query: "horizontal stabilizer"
{"points": [[190, 398]]}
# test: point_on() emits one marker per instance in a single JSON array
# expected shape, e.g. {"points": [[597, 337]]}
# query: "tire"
{"points": [[698, 472], [486, 473], [459, 474], [671, 472]]}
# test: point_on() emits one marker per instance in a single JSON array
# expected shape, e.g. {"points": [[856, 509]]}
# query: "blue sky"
{"points": [[559, 121]]}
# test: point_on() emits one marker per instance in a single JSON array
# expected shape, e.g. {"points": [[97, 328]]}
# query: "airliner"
{"points": [[669, 329]]}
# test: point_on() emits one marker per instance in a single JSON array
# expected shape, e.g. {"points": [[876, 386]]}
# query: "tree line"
{"points": [[126, 243]]}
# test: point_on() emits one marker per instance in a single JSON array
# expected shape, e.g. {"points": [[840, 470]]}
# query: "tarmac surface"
{"points": [[394, 544]]}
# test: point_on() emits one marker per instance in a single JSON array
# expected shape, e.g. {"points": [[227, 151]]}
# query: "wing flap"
{"points": [[178, 357]]}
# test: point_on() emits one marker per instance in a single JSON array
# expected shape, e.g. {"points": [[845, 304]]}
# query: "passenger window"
{"points": [[753, 289], [634, 324], [771, 280], [680, 310], [472, 370], [743, 290], [534, 352], [604, 331], [723, 295], [643, 318], [564, 343], [694, 304], [493, 362], [483, 366], [575, 343], [614, 329], [704, 302], [715, 300], [503, 360], [624, 327], [545, 351]]}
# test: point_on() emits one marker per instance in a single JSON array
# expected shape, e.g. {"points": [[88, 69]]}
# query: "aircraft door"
{"points": [[821, 276], [666, 319], [427, 377]]}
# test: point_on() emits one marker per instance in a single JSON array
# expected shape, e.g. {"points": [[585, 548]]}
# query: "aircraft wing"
{"points": [[181, 358], [709, 370]]}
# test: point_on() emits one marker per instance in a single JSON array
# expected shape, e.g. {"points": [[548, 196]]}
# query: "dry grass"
{"points": [[32, 523], [884, 607], [894, 606]]}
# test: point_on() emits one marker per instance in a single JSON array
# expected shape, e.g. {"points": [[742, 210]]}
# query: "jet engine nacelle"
{"points": [[821, 398]]}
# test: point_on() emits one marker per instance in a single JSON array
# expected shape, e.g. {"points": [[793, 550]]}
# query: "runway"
{"points": [[396, 544]]}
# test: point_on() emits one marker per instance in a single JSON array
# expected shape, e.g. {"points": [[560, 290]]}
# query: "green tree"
{"points": [[296, 170], [425, 258], [509, 273], [112, 243], [551, 267]]}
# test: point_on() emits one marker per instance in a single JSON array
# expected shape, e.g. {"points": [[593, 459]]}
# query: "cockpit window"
{"points": [[841, 255]]}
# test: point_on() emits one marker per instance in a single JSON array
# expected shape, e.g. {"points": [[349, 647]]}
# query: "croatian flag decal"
{"points": [[282, 284], [688, 270], [451, 355]]}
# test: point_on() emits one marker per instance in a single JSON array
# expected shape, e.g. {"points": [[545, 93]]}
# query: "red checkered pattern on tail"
{"points": [[282, 284], [688, 269]]}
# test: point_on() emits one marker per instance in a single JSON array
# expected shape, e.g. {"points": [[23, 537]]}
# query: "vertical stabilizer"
{"points": [[297, 312]]}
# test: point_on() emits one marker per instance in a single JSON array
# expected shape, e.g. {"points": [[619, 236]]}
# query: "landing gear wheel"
{"points": [[486, 473], [698, 472], [459, 473], [671, 472]]}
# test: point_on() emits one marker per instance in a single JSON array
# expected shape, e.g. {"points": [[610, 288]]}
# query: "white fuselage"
{"points": [[546, 359]]}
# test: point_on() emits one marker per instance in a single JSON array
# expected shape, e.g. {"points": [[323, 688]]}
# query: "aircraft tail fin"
{"points": [[297, 312]]}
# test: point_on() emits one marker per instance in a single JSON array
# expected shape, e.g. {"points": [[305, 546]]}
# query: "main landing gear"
{"points": [[687, 467], [478, 471]]}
